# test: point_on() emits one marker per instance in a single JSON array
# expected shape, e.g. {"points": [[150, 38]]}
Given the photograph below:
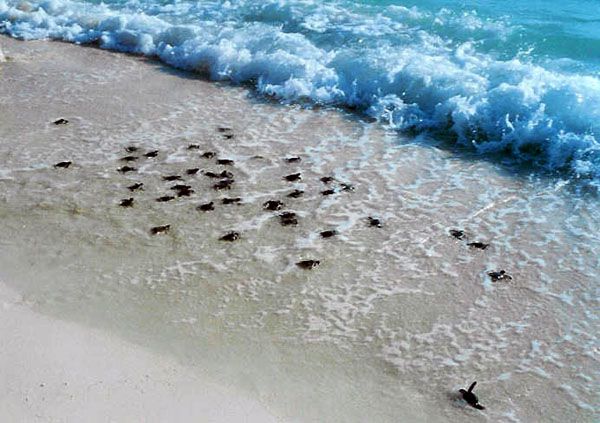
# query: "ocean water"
{"points": [[510, 80]]}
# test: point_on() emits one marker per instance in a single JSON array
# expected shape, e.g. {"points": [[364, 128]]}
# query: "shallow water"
{"points": [[387, 328]]}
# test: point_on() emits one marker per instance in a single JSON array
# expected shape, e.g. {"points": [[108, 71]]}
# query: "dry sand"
{"points": [[56, 371]]}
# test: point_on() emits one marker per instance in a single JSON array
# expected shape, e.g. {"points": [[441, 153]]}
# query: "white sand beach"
{"points": [[104, 321], [56, 371]]}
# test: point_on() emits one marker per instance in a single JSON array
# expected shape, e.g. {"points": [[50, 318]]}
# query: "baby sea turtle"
{"points": [[223, 174], [125, 169], [230, 236], [128, 158], [374, 222], [128, 202], [471, 398], [151, 154], [60, 121], [208, 154], [135, 187], [180, 187], [273, 205], [328, 234], [288, 218], [224, 129], [225, 162], [499, 276], [293, 177], [186, 192], [457, 233], [193, 147], [293, 159], [235, 200], [192, 171], [296, 193], [347, 187], [160, 229], [63, 165], [228, 136], [328, 192], [171, 178], [131, 149], [206, 207], [308, 264], [165, 198], [327, 179], [479, 245], [223, 184]]}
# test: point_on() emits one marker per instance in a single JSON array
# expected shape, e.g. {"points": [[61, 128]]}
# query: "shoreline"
{"points": [[383, 329], [248, 359], [104, 130]]}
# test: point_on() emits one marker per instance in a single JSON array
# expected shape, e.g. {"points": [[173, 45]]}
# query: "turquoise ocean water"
{"points": [[514, 79]]}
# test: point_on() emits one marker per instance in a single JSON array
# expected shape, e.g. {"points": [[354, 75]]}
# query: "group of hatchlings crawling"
{"points": [[224, 180]]}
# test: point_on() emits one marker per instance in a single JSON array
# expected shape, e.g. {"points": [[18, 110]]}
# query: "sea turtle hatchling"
{"points": [[308, 264], [499, 276], [125, 169], [230, 236], [160, 229], [135, 187], [63, 165], [127, 202], [478, 245], [471, 398]]}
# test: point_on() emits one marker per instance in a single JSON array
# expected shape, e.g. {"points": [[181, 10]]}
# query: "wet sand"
{"points": [[393, 321]]}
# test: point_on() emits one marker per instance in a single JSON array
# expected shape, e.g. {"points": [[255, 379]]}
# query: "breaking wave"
{"points": [[417, 70]]}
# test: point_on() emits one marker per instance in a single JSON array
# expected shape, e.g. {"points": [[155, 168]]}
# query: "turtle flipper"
{"points": [[472, 386], [479, 406]]}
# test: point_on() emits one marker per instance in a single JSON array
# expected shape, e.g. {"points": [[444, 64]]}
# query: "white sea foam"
{"points": [[382, 63]]}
